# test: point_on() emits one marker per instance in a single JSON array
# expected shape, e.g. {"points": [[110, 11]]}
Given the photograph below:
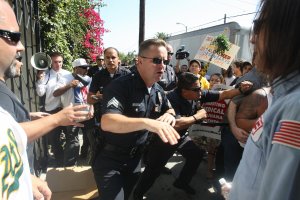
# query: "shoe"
{"points": [[185, 187], [166, 170]]}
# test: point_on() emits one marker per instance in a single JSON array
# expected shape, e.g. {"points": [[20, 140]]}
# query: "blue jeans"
{"points": [[232, 153]]}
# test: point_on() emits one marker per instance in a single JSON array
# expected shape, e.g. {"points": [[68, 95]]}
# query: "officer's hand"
{"points": [[40, 189], [168, 118], [71, 115], [164, 130], [240, 134], [200, 114]]}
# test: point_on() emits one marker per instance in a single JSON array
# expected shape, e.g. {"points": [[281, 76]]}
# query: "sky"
{"points": [[121, 18]]}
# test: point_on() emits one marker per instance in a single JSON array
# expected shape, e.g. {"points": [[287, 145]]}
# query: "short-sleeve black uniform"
{"points": [[100, 80], [129, 96]]}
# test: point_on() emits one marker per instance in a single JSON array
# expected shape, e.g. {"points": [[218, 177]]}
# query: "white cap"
{"points": [[80, 62]]}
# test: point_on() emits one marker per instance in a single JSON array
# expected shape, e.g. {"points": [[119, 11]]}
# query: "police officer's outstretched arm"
{"points": [[118, 123]]}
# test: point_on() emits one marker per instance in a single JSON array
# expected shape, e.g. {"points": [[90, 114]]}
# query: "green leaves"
{"points": [[127, 59], [162, 35], [222, 44], [64, 27]]}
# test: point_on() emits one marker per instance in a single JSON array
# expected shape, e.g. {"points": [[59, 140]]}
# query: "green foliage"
{"points": [[127, 58], [222, 44], [162, 35], [63, 27]]}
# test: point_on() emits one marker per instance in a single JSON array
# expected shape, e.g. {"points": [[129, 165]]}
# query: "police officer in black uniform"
{"points": [[98, 67], [99, 81], [102, 78], [133, 105], [169, 78], [184, 100]]}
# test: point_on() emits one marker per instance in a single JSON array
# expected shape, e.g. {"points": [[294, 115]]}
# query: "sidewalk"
{"points": [[163, 188]]}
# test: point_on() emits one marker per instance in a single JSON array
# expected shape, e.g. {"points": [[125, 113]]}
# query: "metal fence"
{"points": [[27, 15]]}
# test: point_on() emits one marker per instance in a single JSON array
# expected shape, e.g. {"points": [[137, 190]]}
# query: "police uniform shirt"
{"points": [[169, 79], [100, 80], [129, 96], [103, 78], [186, 108], [269, 169]]}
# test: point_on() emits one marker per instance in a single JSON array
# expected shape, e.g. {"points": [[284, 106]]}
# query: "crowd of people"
{"points": [[142, 116]]}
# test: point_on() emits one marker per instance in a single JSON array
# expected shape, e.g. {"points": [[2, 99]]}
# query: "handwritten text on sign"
{"points": [[206, 51]]}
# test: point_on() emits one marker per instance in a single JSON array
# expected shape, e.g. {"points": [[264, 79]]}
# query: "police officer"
{"points": [[99, 81], [169, 79], [104, 77], [98, 67], [133, 105], [184, 101]]}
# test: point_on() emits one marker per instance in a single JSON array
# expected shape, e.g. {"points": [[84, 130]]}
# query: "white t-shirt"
{"points": [[15, 181]]}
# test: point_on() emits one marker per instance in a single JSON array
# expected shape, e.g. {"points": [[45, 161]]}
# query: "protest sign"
{"points": [[207, 49]]}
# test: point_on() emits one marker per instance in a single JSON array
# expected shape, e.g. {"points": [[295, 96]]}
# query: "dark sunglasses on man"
{"points": [[195, 89], [157, 61], [13, 37]]}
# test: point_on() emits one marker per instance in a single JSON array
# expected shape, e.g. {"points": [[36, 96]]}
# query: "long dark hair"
{"points": [[278, 25]]}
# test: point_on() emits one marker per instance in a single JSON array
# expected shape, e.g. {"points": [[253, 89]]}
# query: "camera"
{"points": [[182, 53]]}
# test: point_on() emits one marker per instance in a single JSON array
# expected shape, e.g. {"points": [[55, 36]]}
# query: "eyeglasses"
{"points": [[195, 89], [170, 53], [157, 61], [100, 59], [13, 37]]}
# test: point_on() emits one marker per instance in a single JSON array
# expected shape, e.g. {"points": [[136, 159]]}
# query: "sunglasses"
{"points": [[157, 61], [195, 89], [170, 53], [100, 59], [13, 37]]}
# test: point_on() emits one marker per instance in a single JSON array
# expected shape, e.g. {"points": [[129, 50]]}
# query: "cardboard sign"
{"points": [[206, 50], [215, 114]]}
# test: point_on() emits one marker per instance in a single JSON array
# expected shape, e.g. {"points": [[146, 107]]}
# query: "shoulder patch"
{"points": [[114, 103], [288, 134]]}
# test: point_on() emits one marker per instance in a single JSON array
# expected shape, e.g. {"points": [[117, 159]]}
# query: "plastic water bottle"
{"points": [[227, 186]]}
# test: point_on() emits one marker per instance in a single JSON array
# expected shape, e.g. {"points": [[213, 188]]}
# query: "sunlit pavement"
{"points": [[163, 188]]}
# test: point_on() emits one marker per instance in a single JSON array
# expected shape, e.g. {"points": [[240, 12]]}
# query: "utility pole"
{"points": [[224, 18], [142, 21]]}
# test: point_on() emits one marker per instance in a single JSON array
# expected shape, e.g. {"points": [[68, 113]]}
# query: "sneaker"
{"points": [[185, 187]]}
